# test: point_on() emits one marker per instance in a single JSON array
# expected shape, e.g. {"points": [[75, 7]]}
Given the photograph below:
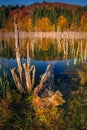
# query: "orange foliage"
{"points": [[30, 25], [46, 44], [84, 22], [23, 24], [73, 27], [10, 25], [43, 24]]}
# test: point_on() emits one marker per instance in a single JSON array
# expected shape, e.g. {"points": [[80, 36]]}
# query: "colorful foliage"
{"points": [[62, 23], [84, 22], [43, 24], [30, 15]]}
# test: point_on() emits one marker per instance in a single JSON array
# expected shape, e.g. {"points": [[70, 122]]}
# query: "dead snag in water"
{"points": [[25, 75], [44, 95]]}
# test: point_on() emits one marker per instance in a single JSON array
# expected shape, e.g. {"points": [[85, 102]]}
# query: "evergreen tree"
{"points": [[77, 18], [3, 17]]}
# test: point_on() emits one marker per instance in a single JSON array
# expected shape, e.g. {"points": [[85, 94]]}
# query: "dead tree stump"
{"points": [[24, 76]]}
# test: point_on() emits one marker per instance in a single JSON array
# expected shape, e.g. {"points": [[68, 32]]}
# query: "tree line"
{"points": [[61, 18], [46, 19]]}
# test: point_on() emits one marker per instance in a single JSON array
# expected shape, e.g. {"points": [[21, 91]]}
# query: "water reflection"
{"points": [[47, 49], [7, 48], [65, 54]]}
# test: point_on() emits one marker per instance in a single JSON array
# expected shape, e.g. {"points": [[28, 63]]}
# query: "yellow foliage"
{"points": [[48, 117], [83, 78], [62, 23]]}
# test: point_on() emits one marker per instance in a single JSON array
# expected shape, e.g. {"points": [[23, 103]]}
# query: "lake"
{"points": [[66, 54]]}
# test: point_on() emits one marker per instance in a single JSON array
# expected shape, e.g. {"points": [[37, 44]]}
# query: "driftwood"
{"points": [[24, 76]]}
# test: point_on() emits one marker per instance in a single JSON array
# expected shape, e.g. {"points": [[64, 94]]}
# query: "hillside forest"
{"points": [[44, 17]]}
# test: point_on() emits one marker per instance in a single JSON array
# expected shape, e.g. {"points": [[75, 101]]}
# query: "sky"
{"points": [[28, 2]]}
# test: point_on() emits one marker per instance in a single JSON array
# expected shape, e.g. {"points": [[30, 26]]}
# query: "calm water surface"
{"points": [[64, 54]]}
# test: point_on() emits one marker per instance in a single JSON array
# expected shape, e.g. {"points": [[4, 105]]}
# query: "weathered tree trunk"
{"points": [[17, 81], [24, 77], [17, 50], [44, 95], [47, 81], [28, 56]]}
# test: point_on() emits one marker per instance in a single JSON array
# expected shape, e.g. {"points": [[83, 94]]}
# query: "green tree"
{"points": [[76, 18], [3, 17]]}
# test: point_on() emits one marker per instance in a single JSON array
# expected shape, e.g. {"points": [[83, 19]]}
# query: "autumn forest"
{"points": [[45, 17]]}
